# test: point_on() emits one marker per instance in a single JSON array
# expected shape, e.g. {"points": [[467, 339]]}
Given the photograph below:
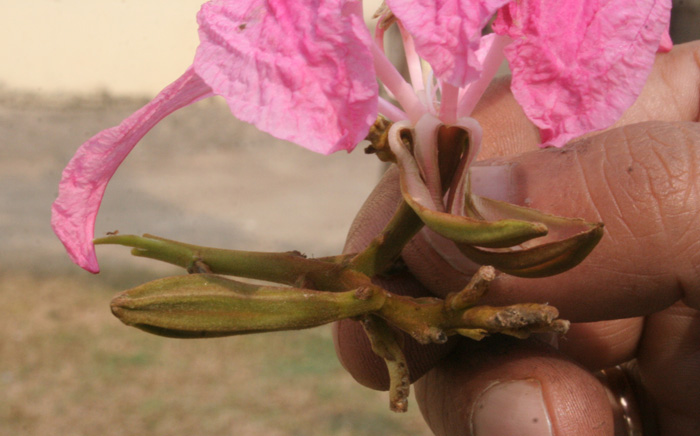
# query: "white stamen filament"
{"points": [[449, 96], [401, 90], [413, 61], [492, 60], [390, 111]]}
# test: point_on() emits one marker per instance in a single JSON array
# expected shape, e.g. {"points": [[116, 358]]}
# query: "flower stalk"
{"points": [[425, 319], [288, 268], [385, 345], [319, 291]]}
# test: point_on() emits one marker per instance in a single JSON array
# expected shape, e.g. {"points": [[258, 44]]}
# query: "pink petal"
{"points": [[578, 65], [666, 43], [85, 178], [447, 33], [300, 70]]}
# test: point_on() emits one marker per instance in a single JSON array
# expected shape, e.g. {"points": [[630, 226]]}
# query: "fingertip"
{"points": [[505, 386], [672, 91]]}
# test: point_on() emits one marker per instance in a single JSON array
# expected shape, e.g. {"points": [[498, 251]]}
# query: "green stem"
{"points": [[384, 249], [286, 268], [472, 293], [425, 319], [384, 345]]}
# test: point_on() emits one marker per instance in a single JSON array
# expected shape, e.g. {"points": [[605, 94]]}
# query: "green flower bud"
{"points": [[204, 305]]}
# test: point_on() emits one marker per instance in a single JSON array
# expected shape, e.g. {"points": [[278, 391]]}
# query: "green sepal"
{"points": [[204, 305], [467, 230], [569, 240], [541, 260], [489, 209]]}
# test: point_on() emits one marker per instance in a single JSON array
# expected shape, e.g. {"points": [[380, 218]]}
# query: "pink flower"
{"points": [[305, 71]]}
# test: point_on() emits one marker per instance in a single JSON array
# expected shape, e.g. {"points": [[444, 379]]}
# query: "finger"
{"points": [[671, 93], [602, 344], [503, 386], [506, 129], [643, 182], [375, 213], [669, 367]]}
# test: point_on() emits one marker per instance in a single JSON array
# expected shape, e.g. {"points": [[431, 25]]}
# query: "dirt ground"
{"points": [[68, 367]]}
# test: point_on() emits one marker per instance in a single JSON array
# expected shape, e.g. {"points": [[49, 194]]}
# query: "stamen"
{"points": [[431, 93], [390, 111], [379, 41], [402, 91], [491, 55], [415, 69], [449, 95]]}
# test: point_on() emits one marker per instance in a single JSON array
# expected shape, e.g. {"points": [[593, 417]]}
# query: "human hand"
{"points": [[634, 300]]}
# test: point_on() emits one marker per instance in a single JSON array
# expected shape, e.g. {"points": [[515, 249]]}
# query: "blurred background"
{"points": [[71, 68]]}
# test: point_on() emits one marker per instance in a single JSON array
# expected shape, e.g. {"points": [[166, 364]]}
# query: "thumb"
{"points": [[643, 182], [505, 386]]}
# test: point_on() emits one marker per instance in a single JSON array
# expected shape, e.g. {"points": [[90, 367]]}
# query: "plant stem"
{"points": [[425, 319], [290, 268], [385, 248], [384, 344]]}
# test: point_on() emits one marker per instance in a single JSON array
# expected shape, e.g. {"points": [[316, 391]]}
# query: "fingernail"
{"points": [[495, 182], [510, 408]]}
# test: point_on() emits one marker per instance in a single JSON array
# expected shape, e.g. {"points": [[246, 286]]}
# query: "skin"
{"points": [[635, 299]]}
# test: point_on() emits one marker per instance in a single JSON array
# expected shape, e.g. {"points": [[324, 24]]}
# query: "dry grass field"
{"points": [[68, 367]]}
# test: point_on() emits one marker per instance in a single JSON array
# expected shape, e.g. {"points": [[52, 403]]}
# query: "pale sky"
{"points": [[124, 47]]}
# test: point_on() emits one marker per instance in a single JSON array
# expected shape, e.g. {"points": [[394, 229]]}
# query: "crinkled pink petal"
{"points": [[85, 178], [301, 70], [666, 43], [447, 33], [578, 65]]}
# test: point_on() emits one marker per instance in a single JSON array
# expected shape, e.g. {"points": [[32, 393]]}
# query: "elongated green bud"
{"points": [[204, 305]]}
